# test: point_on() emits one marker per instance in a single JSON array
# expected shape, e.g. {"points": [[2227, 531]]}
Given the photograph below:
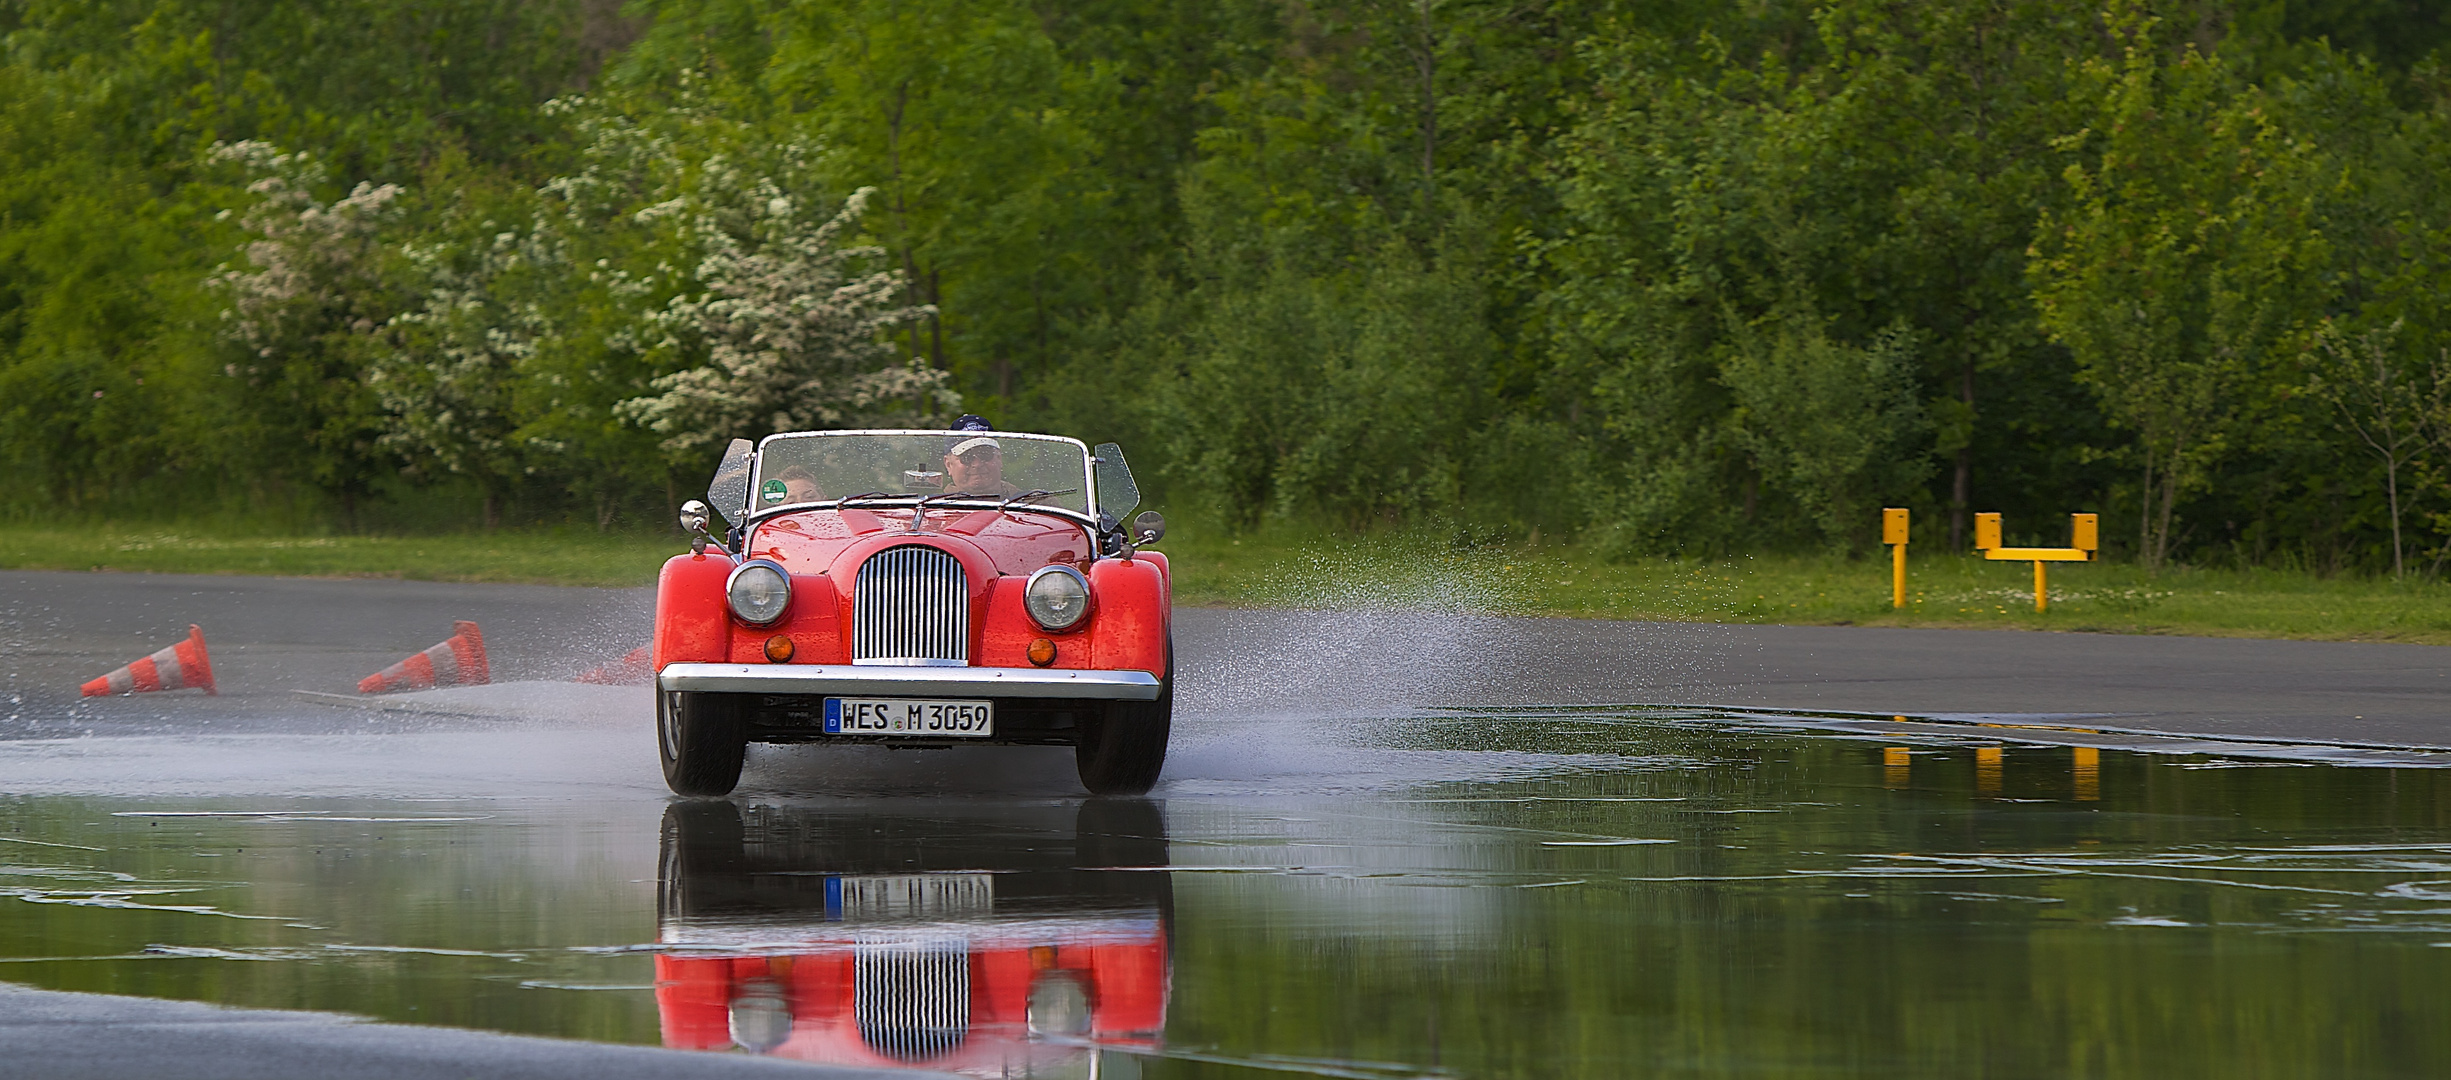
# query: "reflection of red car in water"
{"points": [[994, 943]]}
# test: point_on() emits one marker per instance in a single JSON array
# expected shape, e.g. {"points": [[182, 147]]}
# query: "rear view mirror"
{"points": [[1149, 527], [729, 490], [1117, 494]]}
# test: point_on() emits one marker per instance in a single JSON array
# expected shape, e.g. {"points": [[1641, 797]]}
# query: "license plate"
{"points": [[909, 896], [910, 716]]}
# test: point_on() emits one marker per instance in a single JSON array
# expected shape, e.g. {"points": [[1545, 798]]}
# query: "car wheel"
{"points": [[1123, 747], [702, 741]]}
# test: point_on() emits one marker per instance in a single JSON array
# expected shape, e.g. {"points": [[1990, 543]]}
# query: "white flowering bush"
{"points": [[756, 311], [312, 268], [307, 302], [792, 339], [684, 286], [451, 370]]}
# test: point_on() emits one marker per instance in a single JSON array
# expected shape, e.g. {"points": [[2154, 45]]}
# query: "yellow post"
{"points": [[2084, 531], [1987, 761], [1893, 533], [1894, 764], [2086, 769]]}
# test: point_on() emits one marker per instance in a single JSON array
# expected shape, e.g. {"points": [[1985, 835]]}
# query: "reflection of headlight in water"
{"points": [[911, 999], [761, 1015], [1059, 1005]]}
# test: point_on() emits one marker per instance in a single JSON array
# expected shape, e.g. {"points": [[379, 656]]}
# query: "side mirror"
{"points": [[694, 521], [1149, 527]]}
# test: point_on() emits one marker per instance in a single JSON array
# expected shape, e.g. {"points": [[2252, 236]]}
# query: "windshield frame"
{"points": [[1089, 487]]}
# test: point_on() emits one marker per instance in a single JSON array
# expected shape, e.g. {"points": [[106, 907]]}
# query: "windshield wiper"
{"points": [[1041, 493], [919, 509]]}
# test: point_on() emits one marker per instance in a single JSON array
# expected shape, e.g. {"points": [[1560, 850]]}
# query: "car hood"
{"points": [[1015, 542]]}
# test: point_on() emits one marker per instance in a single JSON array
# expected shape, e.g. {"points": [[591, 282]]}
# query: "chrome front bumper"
{"points": [[866, 680]]}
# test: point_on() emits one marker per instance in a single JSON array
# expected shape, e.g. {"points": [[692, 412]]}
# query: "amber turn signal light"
{"points": [[1042, 651], [778, 648]]}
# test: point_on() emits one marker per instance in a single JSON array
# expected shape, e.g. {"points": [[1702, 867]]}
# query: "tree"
{"points": [[317, 285], [450, 369], [1834, 426], [2397, 413], [2184, 263], [960, 114], [792, 336]]}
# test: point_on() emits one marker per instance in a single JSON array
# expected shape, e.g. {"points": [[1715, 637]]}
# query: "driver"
{"points": [[974, 463]]}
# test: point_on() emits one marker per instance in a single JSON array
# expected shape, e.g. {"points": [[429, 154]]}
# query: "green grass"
{"points": [[539, 556], [1951, 591], [1944, 590]]}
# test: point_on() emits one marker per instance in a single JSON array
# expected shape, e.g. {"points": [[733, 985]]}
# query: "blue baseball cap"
{"points": [[965, 440]]}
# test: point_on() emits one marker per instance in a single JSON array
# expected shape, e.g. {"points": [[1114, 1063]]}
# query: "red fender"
{"points": [[1165, 569], [690, 621], [813, 622], [1128, 629], [1006, 630]]}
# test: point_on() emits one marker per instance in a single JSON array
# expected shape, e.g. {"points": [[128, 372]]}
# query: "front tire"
{"points": [[702, 740], [1123, 746]]}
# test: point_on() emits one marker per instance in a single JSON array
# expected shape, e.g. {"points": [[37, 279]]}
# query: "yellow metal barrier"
{"points": [[2084, 540], [1893, 533]]}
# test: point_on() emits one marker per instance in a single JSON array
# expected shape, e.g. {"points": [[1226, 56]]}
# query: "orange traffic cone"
{"points": [[175, 668], [632, 669], [458, 661]]}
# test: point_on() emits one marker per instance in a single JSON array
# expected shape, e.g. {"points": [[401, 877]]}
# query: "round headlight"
{"points": [[758, 592], [1057, 597]]}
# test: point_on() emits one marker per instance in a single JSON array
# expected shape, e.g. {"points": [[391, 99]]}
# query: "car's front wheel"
{"points": [[1123, 747], [702, 740]]}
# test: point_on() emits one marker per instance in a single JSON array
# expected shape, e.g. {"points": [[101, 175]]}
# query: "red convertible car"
{"points": [[916, 588]]}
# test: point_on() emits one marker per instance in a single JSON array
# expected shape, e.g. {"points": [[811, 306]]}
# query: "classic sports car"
{"points": [[916, 588], [994, 941]]}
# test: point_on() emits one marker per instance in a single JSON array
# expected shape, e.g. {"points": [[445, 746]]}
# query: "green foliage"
{"points": [[1674, 277], [1346, 397], [2185, 265]]}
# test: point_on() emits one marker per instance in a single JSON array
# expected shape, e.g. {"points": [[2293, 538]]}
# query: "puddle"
{"points": [[1595, 892]]}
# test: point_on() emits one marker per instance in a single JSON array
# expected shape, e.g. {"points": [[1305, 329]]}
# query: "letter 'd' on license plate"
{"points": [[926, 717]]}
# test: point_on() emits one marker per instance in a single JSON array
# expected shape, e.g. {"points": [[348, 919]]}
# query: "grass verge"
{"points": [[1950, 591], [1944, 591], [540, 556]]}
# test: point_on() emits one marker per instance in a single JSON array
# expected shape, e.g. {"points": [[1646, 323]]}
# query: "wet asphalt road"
{"points": [[272, 636], [64, 1036]]}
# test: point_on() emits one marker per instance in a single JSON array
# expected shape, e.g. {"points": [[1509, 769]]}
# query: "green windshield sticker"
{"points": [[773, 491]]}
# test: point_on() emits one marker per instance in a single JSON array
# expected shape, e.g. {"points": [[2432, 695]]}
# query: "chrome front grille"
{"points": [[911, 605], [911, 999]]}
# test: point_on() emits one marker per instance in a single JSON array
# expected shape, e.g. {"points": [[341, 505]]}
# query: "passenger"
{"points": [[800, 485], [974, 464]]}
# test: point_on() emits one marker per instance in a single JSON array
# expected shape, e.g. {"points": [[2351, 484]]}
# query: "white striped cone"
{"points": [[178, 667], [633, 669], [458, 660]]}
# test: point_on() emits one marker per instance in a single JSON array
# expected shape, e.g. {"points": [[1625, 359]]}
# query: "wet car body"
{"points": [[989, 942], [917, 604]]}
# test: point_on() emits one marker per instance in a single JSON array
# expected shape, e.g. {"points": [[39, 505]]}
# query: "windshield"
{"points": [[824, 466]]}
